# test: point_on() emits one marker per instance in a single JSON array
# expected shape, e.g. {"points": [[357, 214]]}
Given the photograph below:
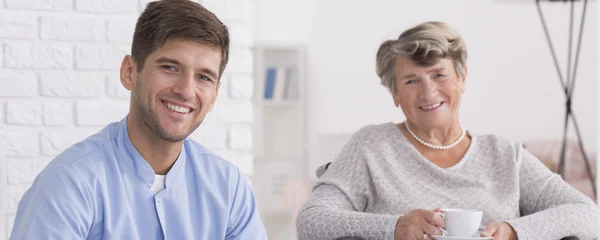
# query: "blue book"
{"points": [[270, 82]]}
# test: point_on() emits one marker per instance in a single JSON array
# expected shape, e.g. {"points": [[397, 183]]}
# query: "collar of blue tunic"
{"points": [[138, 165]]}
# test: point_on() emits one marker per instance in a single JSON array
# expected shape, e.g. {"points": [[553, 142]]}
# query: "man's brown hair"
{"points": [[177, 19]]}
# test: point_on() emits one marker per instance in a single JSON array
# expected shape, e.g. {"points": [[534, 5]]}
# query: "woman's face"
{"points": [[429, 96]]}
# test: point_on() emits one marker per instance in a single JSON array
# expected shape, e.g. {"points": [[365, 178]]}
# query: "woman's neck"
{"points": [[443, 135]]}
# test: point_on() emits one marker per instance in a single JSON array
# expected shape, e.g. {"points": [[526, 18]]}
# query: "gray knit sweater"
{"points": [[379, 176]]}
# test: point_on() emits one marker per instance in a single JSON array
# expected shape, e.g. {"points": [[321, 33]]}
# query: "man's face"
{"points": [[176, 88]]}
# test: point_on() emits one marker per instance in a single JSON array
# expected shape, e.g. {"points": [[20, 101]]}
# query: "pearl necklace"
{"points": [[438, 147]]}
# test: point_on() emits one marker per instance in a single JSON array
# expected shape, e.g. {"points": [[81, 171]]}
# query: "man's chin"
{"points": [[176, 132], [173, 134], [174, 138]]}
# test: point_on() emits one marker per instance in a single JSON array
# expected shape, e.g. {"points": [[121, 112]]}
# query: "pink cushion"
{"points": [[548, 151]]}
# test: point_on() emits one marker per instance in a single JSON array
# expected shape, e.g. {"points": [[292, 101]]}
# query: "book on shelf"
{"points": [[289, 85], [270, 82], [280, 83], [280, 78]]}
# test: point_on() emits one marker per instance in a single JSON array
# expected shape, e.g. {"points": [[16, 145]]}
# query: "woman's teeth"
{"points": [[432, 106]]}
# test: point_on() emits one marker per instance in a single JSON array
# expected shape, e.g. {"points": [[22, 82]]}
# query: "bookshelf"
{"points": [[279, 124], [281, 103]]}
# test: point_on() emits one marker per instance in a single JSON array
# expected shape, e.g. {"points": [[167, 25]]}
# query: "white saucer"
{"points": [[438, 237]]}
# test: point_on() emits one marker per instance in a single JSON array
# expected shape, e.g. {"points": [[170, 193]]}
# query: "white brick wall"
{"points": [[59, 83], [73, 28], [52, 5], [30, 55], [22, 83]]}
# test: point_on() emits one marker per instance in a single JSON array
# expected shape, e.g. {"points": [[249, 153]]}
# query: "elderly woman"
{"points": [[390, 179]]}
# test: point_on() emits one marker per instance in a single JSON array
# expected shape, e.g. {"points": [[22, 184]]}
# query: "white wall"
{"points": [[598, 115], [59, 66], [286, 21], [512, 87]]}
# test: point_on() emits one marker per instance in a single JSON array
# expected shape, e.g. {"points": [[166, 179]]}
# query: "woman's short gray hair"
{"points": [[425, 44]]}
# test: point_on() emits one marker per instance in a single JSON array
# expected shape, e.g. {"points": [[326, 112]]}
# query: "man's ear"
{"points": [[128, 71], [217, 88], [212, 104]]}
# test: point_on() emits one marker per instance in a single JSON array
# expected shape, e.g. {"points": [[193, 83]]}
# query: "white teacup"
{"points": [[461, 222]]}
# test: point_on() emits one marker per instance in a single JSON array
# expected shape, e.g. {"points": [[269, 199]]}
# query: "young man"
{"points": [[140, 178]]}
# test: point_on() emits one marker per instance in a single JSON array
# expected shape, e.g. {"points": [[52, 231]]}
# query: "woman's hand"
{"points": [[500, 231], [417, 223]]}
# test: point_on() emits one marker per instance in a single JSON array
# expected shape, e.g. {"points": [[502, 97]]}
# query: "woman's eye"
{"points": [[411, 82]]}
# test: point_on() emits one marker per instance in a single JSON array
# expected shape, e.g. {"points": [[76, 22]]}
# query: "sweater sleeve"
{"points": [[551, 208], [339, 200]]}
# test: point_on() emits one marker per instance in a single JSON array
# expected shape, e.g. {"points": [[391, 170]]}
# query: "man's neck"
{"points": [[159, 153]]}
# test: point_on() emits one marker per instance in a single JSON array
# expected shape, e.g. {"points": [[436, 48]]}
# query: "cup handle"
{"points": [[444, 232]]}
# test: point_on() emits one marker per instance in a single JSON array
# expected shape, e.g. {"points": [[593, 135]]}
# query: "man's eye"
{"points": [[168, 67], [204, 77]]}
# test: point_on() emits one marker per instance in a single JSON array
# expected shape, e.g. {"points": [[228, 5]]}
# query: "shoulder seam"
{"points": [[89, 152]]}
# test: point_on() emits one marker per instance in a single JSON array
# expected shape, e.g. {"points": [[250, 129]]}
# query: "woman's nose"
{"points": [[427, 89]]}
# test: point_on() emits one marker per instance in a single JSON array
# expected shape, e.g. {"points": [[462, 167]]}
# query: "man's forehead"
{"points": [[187, 52]]}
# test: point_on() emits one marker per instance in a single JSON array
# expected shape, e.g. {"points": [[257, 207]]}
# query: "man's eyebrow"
{"points": [[167, 60], [209, 72]]}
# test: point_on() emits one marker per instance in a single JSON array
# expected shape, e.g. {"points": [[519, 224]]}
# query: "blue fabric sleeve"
{"points": [[245, 222], [57, 206]]}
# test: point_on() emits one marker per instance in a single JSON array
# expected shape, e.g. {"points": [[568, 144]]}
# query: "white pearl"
{"points": [[433, 146]]}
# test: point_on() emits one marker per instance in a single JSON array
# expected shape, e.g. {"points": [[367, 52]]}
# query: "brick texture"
{"points": [[59, 83]]}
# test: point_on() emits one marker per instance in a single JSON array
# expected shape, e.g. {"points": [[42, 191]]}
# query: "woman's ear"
{"points": [[210, 108], [463, 79], [128, 70], [396, 100]]}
